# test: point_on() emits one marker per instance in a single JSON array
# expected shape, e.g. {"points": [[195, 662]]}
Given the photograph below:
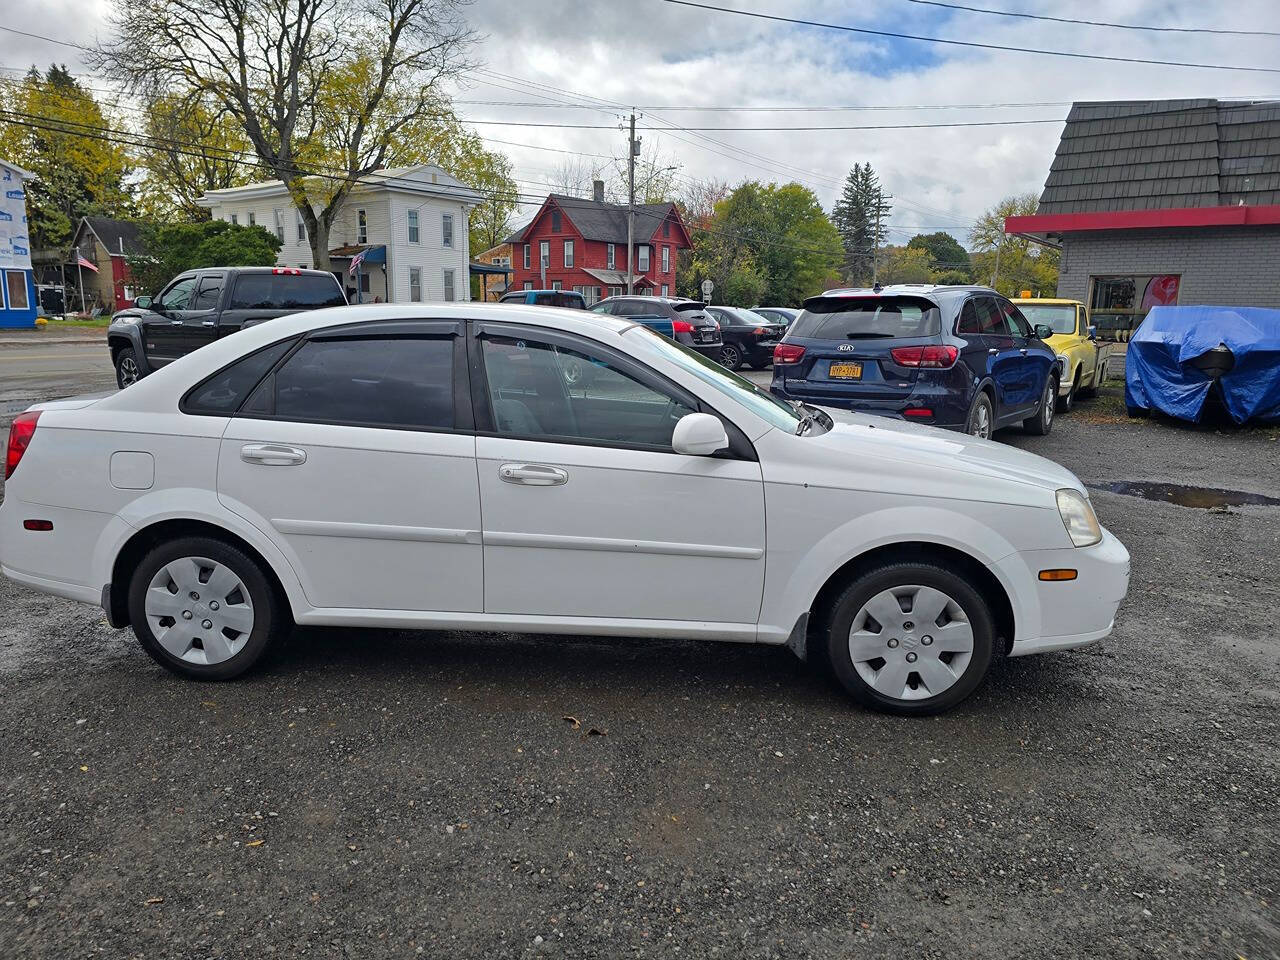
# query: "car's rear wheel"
{"points": [[760, 364], [910, 638], [1041, 422], [730, 357], [127, 370], [981, 422], [203, 608]]}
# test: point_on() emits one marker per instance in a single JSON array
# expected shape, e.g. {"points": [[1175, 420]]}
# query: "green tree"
{"points": [[169, 249], [906, 265], [860, 216], [194, 146], [1008, 263], [945, 253], [77, 173]]}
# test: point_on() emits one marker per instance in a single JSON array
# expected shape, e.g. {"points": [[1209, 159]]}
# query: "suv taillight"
{"points": [[787, 353], [934, 355], [21, 431], [681, 326]]}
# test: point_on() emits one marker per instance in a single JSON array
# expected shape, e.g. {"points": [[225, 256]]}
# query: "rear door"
{"points": [[164, 330], [202, 317], [1004, 358], [849, 341]]}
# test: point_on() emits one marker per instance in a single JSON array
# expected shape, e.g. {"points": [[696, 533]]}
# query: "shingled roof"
{"points": [[114, 234], [1163, 154], [605, 221]]}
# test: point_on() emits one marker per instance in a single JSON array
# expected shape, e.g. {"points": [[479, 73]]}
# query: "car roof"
{"points": [[522, 293], [909, 289], [282, 271], [1048, 301]]}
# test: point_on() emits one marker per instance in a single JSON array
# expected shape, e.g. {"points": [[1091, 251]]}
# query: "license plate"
{"points": [[845, 371], [708, 335]]}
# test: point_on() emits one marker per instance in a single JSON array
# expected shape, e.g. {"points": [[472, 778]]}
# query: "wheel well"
{"points": [[982, 578], [147, 538], [117, 344]]}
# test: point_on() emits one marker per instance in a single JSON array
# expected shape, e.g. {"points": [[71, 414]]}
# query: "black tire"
{"points": [[128, 370], [1067, 403], [761, 365], [1041, 422], [834, 641], [269, 618], [973, 423], [731, 356]]}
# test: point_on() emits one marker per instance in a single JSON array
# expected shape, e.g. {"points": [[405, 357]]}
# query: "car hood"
{"points": [[1060, 341], [943, 451]]}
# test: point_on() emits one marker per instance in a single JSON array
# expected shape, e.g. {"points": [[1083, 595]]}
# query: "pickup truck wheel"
{"points": [[127, 371], [203, 609], [910, 638], [1066, 403]]}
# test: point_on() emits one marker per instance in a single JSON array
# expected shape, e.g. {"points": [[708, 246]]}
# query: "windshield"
{"points": [[844, 318], [760, 402], [1060, 316]]}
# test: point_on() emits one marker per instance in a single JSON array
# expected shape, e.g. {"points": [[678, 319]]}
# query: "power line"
{"points": [[970, 43], [1094, 23], [40, 36]]}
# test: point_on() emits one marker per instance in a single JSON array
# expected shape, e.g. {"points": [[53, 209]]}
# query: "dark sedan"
{"points": [[963, 358], [748, 337], [684, 321]]}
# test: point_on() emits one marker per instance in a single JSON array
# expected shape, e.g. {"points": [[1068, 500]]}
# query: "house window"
{"points": [[15, 282], [1119, 304], [555, 221], [235, 219], [555, 284], [615, 291], [611, 257], [527, 285], [302, 228], [666, 260], [544, 254], [568, 254], [446, 230], [253, 219], [362, 227], [666, 291], [526, 256], [642, 255], [413, 226], [415, 284], [448, 286], [279, 221], [666, 228]]}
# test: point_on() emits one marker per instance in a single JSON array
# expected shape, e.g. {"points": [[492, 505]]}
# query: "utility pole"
{"points": [[881, 197], [633, 148]]}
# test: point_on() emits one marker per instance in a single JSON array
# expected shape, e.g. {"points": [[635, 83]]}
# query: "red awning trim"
{"points": [[1179, 218]]}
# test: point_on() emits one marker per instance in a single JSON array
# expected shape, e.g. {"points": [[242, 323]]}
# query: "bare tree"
{"points": [[574, 176], [325, 91]]}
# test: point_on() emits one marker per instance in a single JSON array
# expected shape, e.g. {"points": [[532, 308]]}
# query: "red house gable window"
{"points": [[555, 221]]}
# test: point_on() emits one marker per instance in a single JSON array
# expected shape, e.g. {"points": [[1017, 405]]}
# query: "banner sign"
{"points": [[15, 246]]}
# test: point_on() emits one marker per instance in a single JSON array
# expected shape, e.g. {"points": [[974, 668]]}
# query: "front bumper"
{"points": [[1071, 613]]}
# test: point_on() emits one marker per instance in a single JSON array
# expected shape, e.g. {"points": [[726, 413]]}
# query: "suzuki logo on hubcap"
{"points": [[910, 642]]}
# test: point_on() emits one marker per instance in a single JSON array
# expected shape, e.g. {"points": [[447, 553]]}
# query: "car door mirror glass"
{"points": [[1093, 332], [699, 435], [145, 303], [1043, 331]]}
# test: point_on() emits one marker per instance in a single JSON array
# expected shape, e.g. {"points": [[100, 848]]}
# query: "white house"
{"points": [[410, 222]]}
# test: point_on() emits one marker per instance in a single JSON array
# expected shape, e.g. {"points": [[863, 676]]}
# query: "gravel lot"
{"points": [[396, 794]]}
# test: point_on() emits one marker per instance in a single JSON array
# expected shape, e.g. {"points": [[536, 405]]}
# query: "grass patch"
{"points": [[71, 322]]}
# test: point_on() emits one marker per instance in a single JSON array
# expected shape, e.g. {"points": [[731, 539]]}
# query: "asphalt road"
{"points": [[398, 794]]}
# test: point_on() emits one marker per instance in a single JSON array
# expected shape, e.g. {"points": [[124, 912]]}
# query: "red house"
{"points": [[581, 245], [106, 244]]}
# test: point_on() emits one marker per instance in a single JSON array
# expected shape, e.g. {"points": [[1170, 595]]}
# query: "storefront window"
{"points": [[1118, 304]]}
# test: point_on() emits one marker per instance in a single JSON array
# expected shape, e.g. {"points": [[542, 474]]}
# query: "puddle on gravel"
{"points": [[1205, 498]]}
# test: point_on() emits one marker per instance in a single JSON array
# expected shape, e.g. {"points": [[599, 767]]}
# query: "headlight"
{"points": [[1078, 517], [125, 320], [1062, 363]]}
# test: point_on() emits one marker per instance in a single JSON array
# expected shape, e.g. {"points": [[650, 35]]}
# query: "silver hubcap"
{"points": [[911, 642], [199, 610], [982, 422], [128, 371], [1049, 392], [729, 356]]}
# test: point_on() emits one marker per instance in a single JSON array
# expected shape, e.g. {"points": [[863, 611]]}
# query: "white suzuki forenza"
{"points": [[480, 467]]}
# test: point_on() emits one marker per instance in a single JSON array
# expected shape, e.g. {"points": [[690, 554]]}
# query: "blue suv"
{"points": [[963, 358]]}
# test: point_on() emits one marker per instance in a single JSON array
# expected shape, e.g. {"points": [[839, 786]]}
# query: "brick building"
{"points": [[487, 287], [578, 244], [107, 244], [1161, 202]]}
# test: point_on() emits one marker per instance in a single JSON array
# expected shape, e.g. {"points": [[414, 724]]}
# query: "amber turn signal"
{"points": [[1058, 574]]}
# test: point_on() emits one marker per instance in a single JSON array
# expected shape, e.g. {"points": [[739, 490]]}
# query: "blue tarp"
{"points": [[1159, 376]]}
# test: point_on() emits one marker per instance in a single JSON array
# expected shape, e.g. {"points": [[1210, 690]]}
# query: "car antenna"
{"points": [[878, 287]]}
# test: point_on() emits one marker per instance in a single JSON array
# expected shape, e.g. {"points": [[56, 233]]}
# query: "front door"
{"points": [[201, 316], [164, 329], [354, 458], [1031, 361], [588, 512]]}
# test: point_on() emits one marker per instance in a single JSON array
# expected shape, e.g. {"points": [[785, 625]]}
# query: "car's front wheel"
{"points": [[203, 608], [730, 357], [127, 370], [910, 638]]}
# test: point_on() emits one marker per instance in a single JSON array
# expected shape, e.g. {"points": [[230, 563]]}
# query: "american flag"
{"points": [[82, 262], [356, 261]]}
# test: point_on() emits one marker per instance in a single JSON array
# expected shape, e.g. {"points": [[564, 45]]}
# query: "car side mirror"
{"points": [[699, 435], [143, 303], [1043, 331], [1093, 332]]}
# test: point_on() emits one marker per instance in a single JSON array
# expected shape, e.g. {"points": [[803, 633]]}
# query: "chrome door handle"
{"points": [[533, 474], [272, 454], [993, 352], [1023, 351], [209, 323], [175, 323]]}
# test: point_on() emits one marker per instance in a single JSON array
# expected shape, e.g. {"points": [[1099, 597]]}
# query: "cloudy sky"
{"points": [[677, 64]]}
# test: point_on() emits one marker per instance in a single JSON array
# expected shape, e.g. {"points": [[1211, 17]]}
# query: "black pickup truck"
{"points": [[199, 306]]}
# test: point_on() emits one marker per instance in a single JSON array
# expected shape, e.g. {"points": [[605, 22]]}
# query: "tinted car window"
{"points": [[284, 291], [206, 297], [221, 394], [1017, 322], [990, 320], [638, 308], [872, 317], [372, 381], [968, 321], [179, 295], [546, 390]]}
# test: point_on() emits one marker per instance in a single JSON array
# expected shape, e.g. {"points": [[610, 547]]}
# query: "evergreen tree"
{"points": [[855, 215]]}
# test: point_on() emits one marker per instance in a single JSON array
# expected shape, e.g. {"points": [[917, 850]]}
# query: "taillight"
{"points": [[934, 355], [681, 326], [21, 431], [787, 353]]}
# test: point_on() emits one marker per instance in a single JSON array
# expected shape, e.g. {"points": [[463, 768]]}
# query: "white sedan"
{"points": [[439, 467]]}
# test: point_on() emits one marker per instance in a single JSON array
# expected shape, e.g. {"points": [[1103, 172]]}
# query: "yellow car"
{"points": [[1082, 359]]}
